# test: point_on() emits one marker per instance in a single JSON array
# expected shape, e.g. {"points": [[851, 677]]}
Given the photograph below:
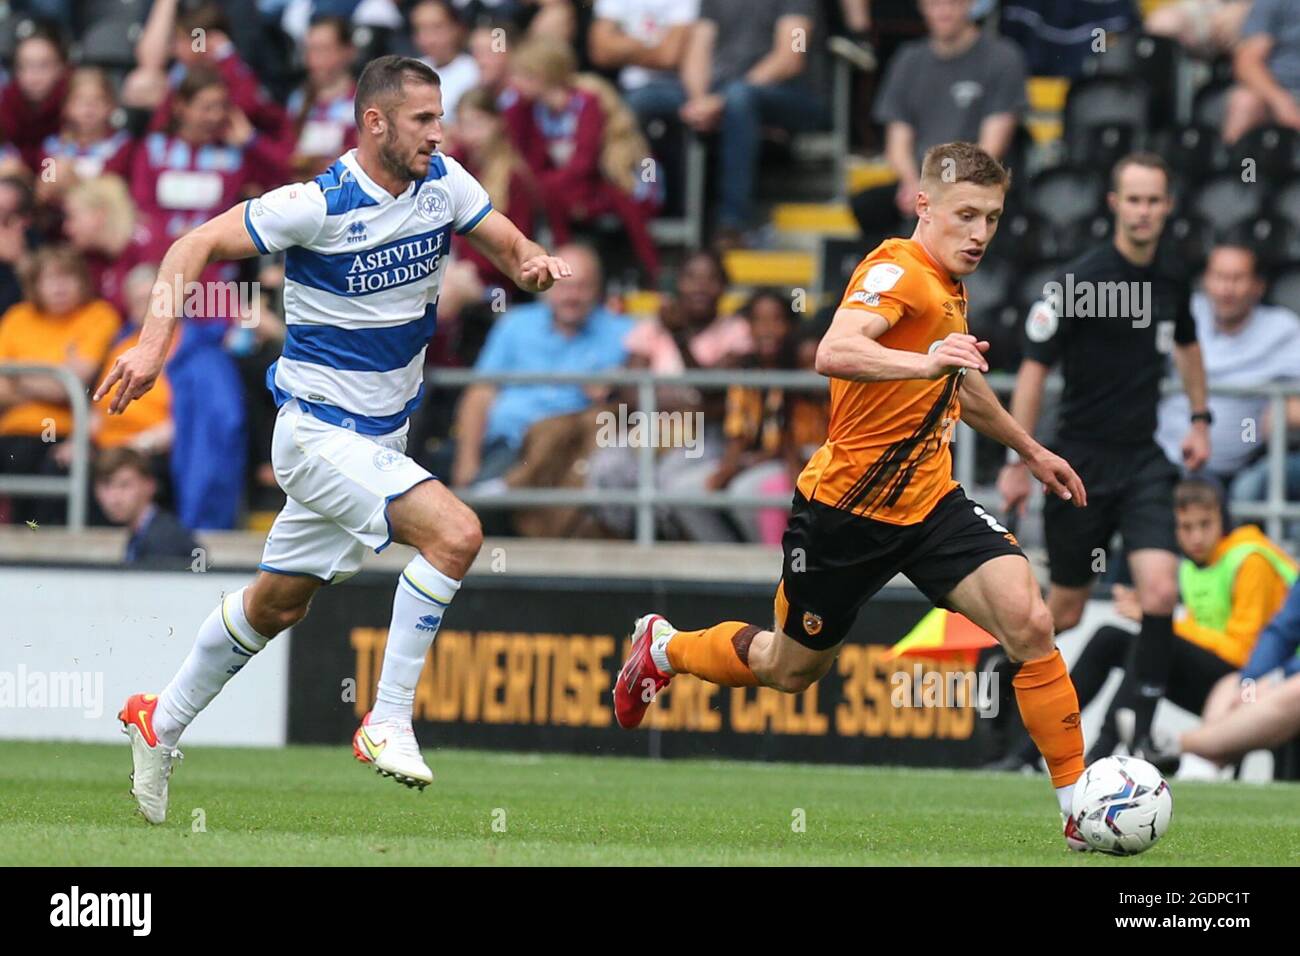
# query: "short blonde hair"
{"points": [[107, 194], [548, 59]]}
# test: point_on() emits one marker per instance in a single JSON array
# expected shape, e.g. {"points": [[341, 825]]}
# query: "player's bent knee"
{"points": [[1029, 632]]}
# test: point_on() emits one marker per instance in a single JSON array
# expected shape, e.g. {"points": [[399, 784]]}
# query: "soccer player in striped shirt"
{"points": [[366, 246]]}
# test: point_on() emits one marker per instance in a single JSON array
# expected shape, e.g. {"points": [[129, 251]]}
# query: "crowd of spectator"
{"points": [[572, 113]]}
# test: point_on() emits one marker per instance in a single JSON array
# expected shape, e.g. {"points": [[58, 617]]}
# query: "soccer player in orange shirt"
{"points": [[879, 497]]}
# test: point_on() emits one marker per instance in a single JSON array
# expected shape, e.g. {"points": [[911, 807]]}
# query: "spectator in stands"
{"points": [[198, 38], [750, 64], [439, 37], [691, 331], [645, 41], [194, 415], [31, 104], [100, 222], [60, 323], [959, 83], [210, 159], [1267, 67], [484, 148], [1207, 28], [754, 460], [1244, 344], [17, 205], [1245, 711], [1230, 586], [125, 488], [321, 109], [490, 44], [586, 156], [567, 331], [86, 145]]}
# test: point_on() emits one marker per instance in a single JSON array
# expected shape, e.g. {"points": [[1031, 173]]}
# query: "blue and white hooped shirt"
{"points": [[362, 273]]}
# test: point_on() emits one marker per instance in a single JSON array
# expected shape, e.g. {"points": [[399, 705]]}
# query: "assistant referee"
{"points": [[1110, 319]]}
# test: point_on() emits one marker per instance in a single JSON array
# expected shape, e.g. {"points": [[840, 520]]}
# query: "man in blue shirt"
{"points": [[568, 331]]}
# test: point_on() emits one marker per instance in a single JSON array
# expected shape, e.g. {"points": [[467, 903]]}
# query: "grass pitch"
{"points": [[66, 803]]}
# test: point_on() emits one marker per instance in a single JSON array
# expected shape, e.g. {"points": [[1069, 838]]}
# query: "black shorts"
{"points": [[836, 560], [1130, 490]]}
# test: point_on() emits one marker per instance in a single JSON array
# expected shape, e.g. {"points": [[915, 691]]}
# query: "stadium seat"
{"points": [[1106, 101], [1151, 59], [1193, 152], [1209, 106], [1286, 202], [1030, 289], [1191, 240], [1272, 149], [1285, 290], [1076, 238], [1275, 239], [1020, 237], [110, 42], [987, 287], [1065, 195], [1225, 201]]}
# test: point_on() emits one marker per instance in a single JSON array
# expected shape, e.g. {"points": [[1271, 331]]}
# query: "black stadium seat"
{"points": [[1285, 290], [1271, 150], [1099, 147], [1106, 101], [1286, 202], [1209, 106], [1192, 152], [988, 286], [1225, 201], [1019, 239], [1151, 59], [1190, 238], [1030, 289], [1066, 195], [1275, 240]]}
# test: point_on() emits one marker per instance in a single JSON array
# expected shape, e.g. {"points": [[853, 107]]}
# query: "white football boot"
{"points": [[151, 759], [390, 745]]}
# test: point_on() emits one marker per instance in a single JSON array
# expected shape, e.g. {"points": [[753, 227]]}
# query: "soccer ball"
{"points": [[1122, 805]]}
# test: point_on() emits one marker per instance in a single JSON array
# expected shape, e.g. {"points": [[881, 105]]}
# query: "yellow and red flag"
{"points": [[943, 634]]}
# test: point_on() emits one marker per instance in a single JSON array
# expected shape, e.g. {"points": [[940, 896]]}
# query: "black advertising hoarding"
{"points": [[527, 664]]}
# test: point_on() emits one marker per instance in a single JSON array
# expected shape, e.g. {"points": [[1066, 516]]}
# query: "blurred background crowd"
{"points": [[712, 168]]}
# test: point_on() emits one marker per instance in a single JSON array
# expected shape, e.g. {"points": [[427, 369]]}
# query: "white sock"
{"points": [[1066, 797], [659, 650], [225, 643], [423, 593]]}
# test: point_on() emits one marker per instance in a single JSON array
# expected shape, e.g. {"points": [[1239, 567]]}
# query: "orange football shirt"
{"points": [[886, 455]]}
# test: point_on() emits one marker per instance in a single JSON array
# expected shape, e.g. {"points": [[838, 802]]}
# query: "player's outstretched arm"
{"points": [[527, 263], [849, 350], [136, 369]]}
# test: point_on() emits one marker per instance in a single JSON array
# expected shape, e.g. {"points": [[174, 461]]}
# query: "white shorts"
{"points": [[339, 484]]}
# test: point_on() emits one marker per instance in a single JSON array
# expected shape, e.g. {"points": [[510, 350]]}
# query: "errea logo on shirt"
{"points": [[357, 232]]}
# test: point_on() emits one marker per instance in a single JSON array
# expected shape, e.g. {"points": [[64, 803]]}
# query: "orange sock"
{"points": [[1050, 709], [718, 654]]}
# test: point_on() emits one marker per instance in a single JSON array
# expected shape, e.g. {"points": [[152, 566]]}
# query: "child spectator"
{"points": [[439, 37], [60, 323], [86, 145], [99, 220], [210, 159], [126, 489], [321, 109], [587, 161], [483, 147], [31, 104]]}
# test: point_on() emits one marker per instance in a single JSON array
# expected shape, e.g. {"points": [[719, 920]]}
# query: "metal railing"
{"points": [[73, 486], [645, 497]]}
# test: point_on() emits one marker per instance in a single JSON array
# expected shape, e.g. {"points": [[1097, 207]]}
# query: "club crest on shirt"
{"points": [[812, 623], [431, 205], [386, 459]]}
